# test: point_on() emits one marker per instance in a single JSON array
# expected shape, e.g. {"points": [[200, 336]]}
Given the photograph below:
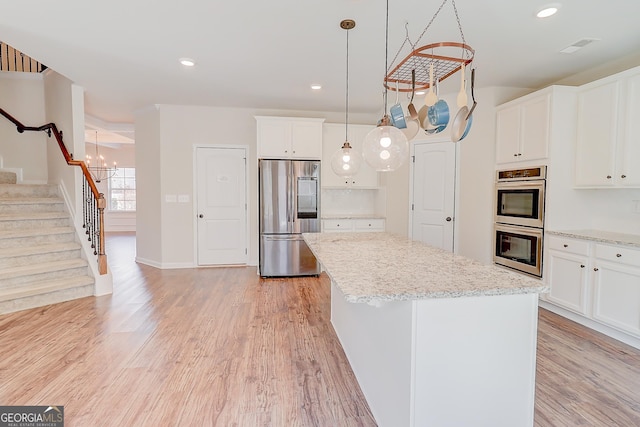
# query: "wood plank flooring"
{"points": [[222, 347]]}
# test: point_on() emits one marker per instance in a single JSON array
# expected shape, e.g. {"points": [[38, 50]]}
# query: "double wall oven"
{"points": [[519, 219]]}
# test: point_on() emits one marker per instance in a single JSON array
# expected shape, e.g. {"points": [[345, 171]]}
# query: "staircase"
{"points": [[40, 259]]}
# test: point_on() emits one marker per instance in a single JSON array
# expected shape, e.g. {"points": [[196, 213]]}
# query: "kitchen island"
{"points": [[434, 339]]}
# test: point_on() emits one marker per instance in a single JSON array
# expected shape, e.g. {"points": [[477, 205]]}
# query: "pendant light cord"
{"points": [[346, 109]]}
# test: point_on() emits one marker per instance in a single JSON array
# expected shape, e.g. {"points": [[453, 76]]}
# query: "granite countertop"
{"points": [[632, 240], [377, 267]]}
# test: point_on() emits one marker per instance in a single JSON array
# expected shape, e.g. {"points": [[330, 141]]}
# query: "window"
{"points": [[122, 190]]}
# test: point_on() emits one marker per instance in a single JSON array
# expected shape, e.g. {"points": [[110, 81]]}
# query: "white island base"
{"points": [[463, 362]]}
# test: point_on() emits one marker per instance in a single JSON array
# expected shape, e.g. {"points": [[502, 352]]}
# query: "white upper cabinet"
{"points": [[332, 140], [608, 133], [289, 138], [523, 128]]}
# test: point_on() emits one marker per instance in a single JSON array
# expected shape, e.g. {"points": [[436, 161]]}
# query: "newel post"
{"points": [[102, 256]]}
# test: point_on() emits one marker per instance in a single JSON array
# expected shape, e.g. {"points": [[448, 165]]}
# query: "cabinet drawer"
{"points": [[337, 225], [618, 254], [565, 244], [369, 224]]}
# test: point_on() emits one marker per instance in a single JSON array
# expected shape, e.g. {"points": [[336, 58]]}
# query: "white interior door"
{"points": [[433, 195], [221, 205]]}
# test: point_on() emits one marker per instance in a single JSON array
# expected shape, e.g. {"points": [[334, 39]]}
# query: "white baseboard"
{"points": [[165, 266]]}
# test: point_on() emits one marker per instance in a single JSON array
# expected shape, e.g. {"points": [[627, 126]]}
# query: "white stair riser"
{"points": [[35, 240], [12, 190], [15, 261], [27, 206], [28, 224], [46, 299], [13, 282]]}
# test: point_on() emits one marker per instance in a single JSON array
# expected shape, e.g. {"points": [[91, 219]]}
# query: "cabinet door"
{"points": [[367, 176], [332, 140], [534, 129], [596, 135], [508, 135], [628, 173], [371, 224], [568, 281], [306, 140], [274, 139], [337, 225], [617, 296]]}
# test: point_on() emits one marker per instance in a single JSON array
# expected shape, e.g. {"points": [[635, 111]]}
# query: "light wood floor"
{"points": [[220, 346]]}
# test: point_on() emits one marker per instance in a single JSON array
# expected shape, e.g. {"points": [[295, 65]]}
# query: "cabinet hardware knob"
{"points": [[608, 176], [618, 255], [565, 245], [515, 155], [369, 225], [200, 216], [596, 269], [623, 176], [448, 219], [519, 154], [581, 265]]}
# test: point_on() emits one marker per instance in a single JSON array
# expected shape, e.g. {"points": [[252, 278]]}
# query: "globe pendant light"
{"points": [[386, 147], [345, 162]]}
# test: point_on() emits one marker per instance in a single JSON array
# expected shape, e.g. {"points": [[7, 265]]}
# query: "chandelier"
{"points": [[100, 171]]}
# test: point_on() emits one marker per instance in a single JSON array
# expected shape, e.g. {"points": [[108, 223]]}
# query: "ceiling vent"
{"points": [[577, 45]]}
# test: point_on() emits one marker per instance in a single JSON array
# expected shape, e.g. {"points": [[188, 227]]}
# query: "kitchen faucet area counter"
{"points": [[433, 338]]}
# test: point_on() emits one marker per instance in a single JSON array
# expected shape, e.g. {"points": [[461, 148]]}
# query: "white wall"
{"points": [[476, 178], [25, 153], [148, 187], [64, 106]]}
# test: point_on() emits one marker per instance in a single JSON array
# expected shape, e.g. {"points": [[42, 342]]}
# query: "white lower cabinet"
{"points": [[598, 281], [616, 285], [568, 273], [353, 225]]}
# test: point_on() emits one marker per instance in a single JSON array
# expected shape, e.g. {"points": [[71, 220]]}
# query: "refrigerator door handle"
{"points": [[288, 237], [292, 213]]}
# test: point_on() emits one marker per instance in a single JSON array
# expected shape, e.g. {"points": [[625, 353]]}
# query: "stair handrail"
{"points": [[51, 128]]}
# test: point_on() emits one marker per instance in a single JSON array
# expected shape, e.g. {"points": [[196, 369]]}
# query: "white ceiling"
{"points": [[266, 54]]}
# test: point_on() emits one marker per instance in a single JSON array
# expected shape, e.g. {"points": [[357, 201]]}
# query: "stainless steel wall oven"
{"points": [[519, 219]]}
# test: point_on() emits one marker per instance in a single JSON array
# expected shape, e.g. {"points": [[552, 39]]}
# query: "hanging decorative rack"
{"points": [[446, 58]]}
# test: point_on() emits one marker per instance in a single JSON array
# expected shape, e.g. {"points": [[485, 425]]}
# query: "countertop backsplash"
{"points": [[347, 202]]}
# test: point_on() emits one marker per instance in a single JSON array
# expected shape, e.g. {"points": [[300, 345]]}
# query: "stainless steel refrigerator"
{"points": [[289, 206]]}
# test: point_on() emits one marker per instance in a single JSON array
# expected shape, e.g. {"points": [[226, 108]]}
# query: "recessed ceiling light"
{"points": [[316, 87], [187, 62], [548, 10]]}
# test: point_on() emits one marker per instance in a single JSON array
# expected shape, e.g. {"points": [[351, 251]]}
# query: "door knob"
{"points": [[448, 219], [200, 216]]}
